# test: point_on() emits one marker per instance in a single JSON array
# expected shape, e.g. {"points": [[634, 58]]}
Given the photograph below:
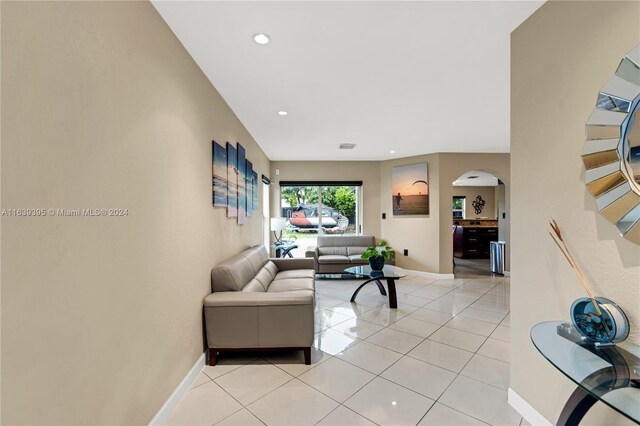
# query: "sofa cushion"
{"points": [[356, 259], [296, 273], [346, 241], [231, 275], [265, 277], [254, 286], [272, 268], [355, 250], [291, 284], [333, 259], [257, 256], [336, 251], [239, 299], [235, 273]]}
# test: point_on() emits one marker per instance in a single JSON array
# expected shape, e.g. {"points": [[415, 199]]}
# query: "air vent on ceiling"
{"points": [[347, 146]]}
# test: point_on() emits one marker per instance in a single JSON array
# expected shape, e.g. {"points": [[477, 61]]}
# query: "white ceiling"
{"points": [[414, 77], [481, 179]]}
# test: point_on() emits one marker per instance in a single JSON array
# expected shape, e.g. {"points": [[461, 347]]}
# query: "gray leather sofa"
{"points": [[335, 253], [259, 303]]}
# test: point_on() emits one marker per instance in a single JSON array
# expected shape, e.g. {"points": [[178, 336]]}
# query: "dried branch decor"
{"points": [[562, 245]]}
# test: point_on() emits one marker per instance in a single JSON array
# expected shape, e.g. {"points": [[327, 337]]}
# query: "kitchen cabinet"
{"points": [[473, 242]]}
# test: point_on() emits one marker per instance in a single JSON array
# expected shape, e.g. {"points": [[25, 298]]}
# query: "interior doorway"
{"points": [[479, 218]]}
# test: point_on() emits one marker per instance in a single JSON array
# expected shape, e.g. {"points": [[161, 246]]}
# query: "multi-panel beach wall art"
{"points": [[410, 190], [235, 183]]}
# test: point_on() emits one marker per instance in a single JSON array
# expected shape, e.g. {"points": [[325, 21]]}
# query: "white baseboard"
{"points": [[529, 413], [174, 399], [432, 275], [507, 273]]}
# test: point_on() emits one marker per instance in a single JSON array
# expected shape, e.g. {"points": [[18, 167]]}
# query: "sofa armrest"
{"points": [[284, 264], [247, 299], [312, 253], [236, 319]]}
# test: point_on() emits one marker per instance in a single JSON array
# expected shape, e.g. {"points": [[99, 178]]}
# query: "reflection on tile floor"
{"points": [[442, 358]]}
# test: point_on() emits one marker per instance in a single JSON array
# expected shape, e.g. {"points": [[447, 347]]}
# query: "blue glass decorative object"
{"points": [[611, 327]]}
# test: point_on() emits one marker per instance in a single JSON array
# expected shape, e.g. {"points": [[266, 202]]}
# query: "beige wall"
{"points": [[488, 194], [365, 171], [555, 78], [429, 238], [418, 234], [103, 108], [451, 167]]}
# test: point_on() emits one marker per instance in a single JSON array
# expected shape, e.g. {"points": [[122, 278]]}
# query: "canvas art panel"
{"points": [[219, 173], [254, 181], [232, 181], [250, 188], [410, 190], [242, 185]]}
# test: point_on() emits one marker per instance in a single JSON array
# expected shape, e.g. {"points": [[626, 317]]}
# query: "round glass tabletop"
{"points": [[389, 271]]}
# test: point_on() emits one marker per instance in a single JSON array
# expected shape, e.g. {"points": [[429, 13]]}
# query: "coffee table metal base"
{"points": [[391, 285]]}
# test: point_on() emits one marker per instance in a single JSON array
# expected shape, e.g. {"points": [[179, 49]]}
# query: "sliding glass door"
{"points": [[340, 209]]}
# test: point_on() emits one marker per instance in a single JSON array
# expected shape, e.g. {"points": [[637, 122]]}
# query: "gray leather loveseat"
{"points": [[259, 303], [335, 253]]}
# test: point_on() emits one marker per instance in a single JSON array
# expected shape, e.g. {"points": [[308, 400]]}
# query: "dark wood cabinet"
{"points": [[473, 242]]}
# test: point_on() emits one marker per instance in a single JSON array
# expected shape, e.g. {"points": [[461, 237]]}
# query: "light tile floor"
{"points": [[441, 358]]}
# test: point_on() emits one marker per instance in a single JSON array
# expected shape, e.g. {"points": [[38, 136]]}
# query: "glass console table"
{"points": [[610, 374], [283, 248]]}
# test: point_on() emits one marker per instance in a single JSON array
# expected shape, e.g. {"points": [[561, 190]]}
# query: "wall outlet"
{"points": [[384, 215], [406, 252], [277, 171]]}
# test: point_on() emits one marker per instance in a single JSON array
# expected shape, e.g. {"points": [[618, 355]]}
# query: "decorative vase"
{"points": [[376, 263], [610, 328]]}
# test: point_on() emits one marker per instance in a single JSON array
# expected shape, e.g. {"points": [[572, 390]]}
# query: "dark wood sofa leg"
{"points": [[307, 356], [213, 357]]}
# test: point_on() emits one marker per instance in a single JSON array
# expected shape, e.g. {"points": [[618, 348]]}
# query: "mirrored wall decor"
{"points": [[611, 153]]}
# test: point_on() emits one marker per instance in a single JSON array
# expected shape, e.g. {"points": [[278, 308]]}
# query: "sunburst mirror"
{"points": [[611, 153]]}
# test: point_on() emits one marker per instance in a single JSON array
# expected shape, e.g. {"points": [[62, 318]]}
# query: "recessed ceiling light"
{"points": [[282, 113], [261, 38], [393, 151]]}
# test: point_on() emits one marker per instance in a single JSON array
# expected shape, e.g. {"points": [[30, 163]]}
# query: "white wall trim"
{"points": [[507, 273], [525, 409], [432, 275], [174, 399]]}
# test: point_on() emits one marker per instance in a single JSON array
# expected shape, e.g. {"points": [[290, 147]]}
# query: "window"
{"points": [[459, 207], [321, 207]]}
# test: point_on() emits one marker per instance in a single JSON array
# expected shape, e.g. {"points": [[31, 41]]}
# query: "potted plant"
{"points": [[377, 255]]}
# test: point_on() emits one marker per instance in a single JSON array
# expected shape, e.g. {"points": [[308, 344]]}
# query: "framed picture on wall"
{"points": [[250, 188], [410, 190], [254, 182], [242, 185], [219, 173], [232, 181]]}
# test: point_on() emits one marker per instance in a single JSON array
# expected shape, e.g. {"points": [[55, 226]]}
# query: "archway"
{"points": [[479, 216]]}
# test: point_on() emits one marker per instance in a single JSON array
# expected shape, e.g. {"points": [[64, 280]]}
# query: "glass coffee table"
{"points": [[607, 374], [389, 273]]}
